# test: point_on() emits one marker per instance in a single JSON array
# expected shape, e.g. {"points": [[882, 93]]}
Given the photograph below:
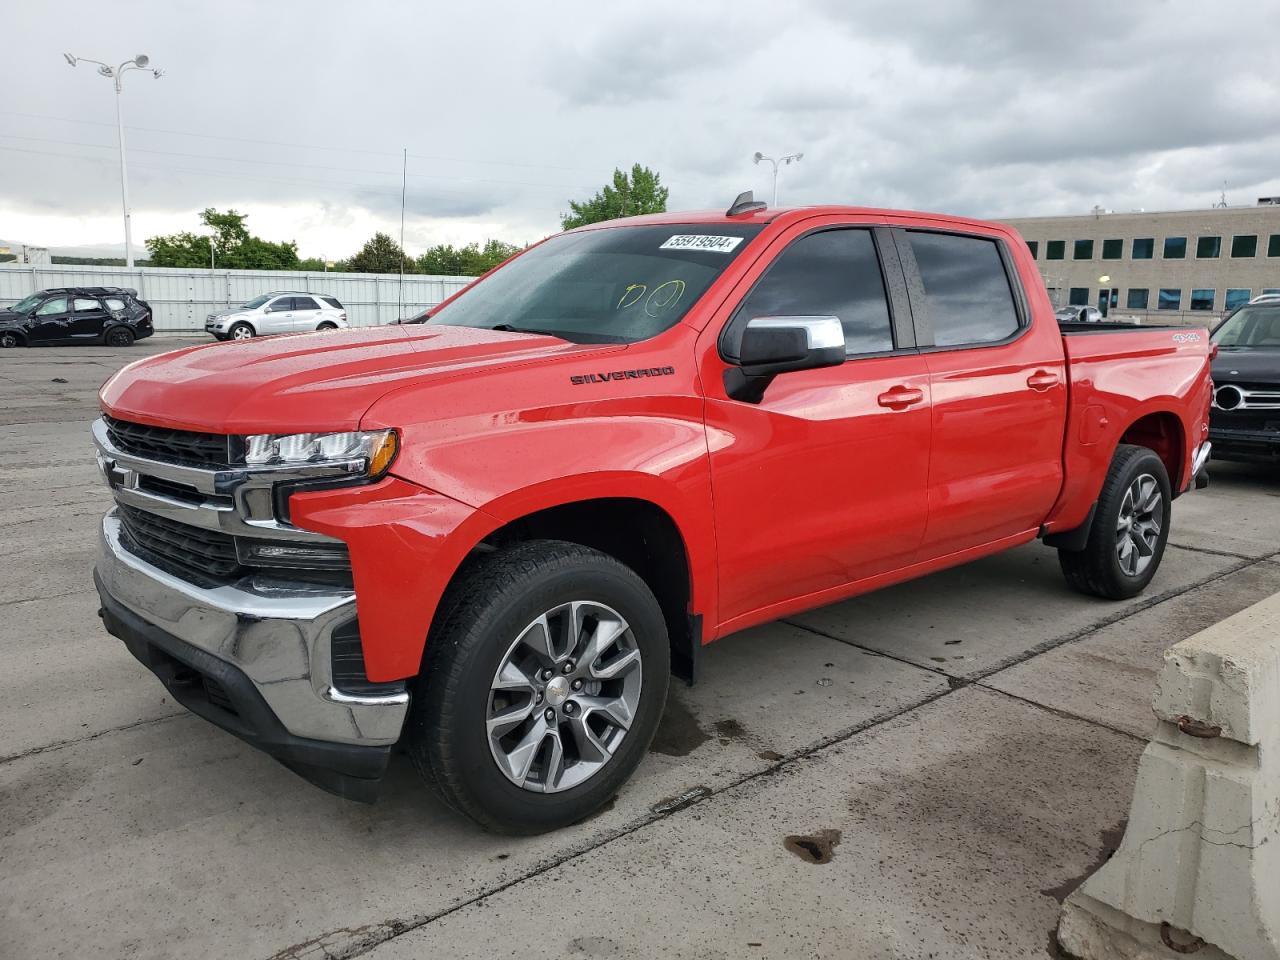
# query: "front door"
{"points": [[999, 392], [51, 322], [822, 482], [278, 316]]}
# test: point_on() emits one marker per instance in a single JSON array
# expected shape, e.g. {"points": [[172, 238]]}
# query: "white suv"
{"points": [[284, 312]]}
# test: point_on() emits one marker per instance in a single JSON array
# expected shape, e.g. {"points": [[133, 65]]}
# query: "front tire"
{"points": [[1130, 528], [240, 331], [9, 340], [542, 688]]}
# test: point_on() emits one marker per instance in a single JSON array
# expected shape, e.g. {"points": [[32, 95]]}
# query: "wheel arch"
{"points": [[1163, 432], [21, 337]]}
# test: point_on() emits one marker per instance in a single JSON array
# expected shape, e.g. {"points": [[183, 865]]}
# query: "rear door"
{"points": [[306, 313], [998, 383], [821, 483], [88, 318], [51, 321]]}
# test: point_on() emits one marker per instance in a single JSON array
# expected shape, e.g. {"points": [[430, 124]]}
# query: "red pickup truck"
{"points": [[493, 536]]}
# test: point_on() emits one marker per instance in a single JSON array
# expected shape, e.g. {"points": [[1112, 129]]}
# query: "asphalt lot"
{"points": [[962, 748]]}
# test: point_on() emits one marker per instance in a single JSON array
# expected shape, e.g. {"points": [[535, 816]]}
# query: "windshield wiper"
{"points": [[509, 328]]}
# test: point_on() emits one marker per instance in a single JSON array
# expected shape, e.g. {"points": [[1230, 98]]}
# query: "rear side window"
{"points": [[967, 292], [85, 305], [305, 303], [835, 273], [114, 303], [333, 302]]}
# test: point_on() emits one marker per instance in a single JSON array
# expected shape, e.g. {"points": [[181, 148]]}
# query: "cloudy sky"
{"points": [[296, 112]]}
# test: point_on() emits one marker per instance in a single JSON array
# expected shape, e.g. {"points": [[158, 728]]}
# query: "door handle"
{"points": [[1042, 380], [899, 398]]}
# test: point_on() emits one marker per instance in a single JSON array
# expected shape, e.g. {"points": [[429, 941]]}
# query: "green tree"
{"points": [[469, 261], [234, 248], [380, 254], [627, 196]]}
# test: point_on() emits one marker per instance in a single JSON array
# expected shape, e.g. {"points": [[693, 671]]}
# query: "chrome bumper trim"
{"points": [[277, 632], [1201, 457]]}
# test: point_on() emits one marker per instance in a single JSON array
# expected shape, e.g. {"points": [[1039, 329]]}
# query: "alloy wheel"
{"points": [[564, 697], [1138, 525]]}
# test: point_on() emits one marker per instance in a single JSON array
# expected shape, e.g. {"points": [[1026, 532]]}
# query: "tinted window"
{"points": [[1170, 299], [56, 305], [333, 302], [305, 303], [1207, 248], [1244, 245], [85, 305], [1138, 298], [1083, 250], [966, 288], [1202, 298], [1112, 249], [1143, 248], [1237, 297], [1175, 248], [1079, 296], [1055, 250], [835, 273], [1034, 247], [280, 305], [1273, 245]]}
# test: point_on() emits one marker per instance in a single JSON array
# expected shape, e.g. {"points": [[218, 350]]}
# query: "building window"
{"points": [[1208, 248], [1082, 250], [1175, 248], [1138, 298], [1271, 289], [1034, 247], [1170, 299], [1144, 248], [1244, 245], [1055, 250], [1273, 245], [1112, 249], [1079, 296], [1237, 297], [1202, 298]]}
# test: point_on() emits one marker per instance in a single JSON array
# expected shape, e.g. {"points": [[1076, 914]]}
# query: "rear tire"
{"points": [[327, 326], [1130, 528], [119, 337], [482, 667], [240, 331]]}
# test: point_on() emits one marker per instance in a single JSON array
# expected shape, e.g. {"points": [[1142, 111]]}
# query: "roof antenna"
{"points": [[1222, 204], [745, 203]]}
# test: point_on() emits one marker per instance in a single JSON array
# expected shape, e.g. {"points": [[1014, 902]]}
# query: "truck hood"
{"points": [[309, 382], [1247, 365]]}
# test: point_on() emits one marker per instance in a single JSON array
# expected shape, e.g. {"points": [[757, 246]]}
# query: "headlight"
{"points": [[369, 453]]}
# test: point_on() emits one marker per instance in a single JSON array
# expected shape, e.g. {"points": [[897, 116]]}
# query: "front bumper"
{"points": [[1245, 446], [266, 645]]}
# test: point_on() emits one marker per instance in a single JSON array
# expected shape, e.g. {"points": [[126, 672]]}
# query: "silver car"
{"points": [[282, 312]]}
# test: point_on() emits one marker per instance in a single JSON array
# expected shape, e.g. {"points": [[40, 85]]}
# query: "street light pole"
{"points": [[789, 158], [117, 75]]}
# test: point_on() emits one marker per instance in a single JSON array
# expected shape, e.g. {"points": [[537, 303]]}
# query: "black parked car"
{"points": [[111, 315], [1245, 421]]}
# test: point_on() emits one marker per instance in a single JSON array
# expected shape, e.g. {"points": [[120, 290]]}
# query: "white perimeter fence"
{"points": [[181, 299]]}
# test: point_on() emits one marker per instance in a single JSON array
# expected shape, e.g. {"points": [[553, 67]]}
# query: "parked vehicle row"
{"points": [[67, 315], [492, 537]]}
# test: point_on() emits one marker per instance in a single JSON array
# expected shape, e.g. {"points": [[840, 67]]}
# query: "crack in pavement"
{"points": [[59, 744], [391, 929]]}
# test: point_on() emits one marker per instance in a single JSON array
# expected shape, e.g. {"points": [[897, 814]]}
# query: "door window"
{"points": [[281, 305], [51, 307], [305, 303], [833, 273], [85, 305], [967, 292]]}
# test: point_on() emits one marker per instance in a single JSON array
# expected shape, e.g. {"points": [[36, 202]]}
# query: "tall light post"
{"points": [[789, 158], [117, 74]]}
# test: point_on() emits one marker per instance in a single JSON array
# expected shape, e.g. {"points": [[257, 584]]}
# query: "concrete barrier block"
{"points": [[1198, 870]]}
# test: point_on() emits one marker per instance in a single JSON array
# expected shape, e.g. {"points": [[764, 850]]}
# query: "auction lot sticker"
{"points": [[701, 241]]}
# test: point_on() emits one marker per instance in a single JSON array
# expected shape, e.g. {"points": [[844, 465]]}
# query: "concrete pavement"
{"points": [[963, 747]]}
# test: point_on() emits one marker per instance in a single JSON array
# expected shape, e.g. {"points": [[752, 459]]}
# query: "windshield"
{"points": [[22, 306], [1256, 326], [616, 285], [256, 302]]}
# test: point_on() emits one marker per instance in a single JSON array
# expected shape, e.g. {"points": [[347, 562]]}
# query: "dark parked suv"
{"points": [[1245, 421], [111, 315]]}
